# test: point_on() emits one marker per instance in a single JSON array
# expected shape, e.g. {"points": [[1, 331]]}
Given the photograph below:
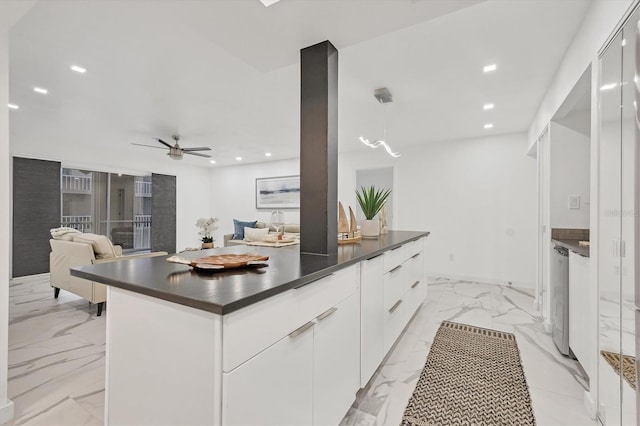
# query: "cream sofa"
{"points": [[66, 254], [290, 228]]}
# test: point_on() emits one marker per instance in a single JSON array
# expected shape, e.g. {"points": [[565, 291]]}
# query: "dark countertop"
{"points": [[573, 246], [224, 292]]}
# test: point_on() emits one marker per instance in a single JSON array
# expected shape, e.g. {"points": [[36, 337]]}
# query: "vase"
{"points": [[207, 245], [370, 228]]}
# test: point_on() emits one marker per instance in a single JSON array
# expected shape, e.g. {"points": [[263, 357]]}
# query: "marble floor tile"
{"points": [[555, 381], [553, 409], [57, 355]]}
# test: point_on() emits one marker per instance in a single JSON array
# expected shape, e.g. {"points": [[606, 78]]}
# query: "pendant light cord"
{"points": [[384, 123]]}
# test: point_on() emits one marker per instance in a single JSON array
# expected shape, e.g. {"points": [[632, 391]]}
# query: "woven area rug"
{"points": [[472, 376], [628, 366]]}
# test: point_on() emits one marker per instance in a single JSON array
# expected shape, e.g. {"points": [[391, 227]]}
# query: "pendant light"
{"points": [[384, 97]]}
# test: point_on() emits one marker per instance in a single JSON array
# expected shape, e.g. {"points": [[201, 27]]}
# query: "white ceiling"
{"points": [[225, 74]]}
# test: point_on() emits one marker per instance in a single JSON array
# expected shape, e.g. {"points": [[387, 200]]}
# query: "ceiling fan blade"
{"points": [[201, 148], [148, 146], [164, 143], [196, 153]]}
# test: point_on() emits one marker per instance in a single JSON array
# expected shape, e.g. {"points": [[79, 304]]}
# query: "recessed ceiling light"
{"points": [[78, 69], [13, 106], [488, 126], [268, 3], [487, 106], [212, 161], [238, 158], [267, 154], [40, 90], [489, 68], [609, 86]]}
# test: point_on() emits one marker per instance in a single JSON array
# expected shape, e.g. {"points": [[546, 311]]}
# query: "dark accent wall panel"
{"points": [[36, 209], [163, 213], [319, 149]]}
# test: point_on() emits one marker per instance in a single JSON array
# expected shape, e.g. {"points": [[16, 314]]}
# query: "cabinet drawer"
{"points": [[394, 285], [411, 248], [416, 266], [393, 258], [415, 296], [394, 321], [273, 388], [250, 330]]}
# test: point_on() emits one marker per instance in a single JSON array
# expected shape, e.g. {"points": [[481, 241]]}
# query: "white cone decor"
{"points": [[371, 202]]}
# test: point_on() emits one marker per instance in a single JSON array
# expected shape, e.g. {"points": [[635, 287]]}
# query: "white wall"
{"points": [[477, 197], [6, 406], [570, 174], [599, 22], [10, 12], [233, 193]]}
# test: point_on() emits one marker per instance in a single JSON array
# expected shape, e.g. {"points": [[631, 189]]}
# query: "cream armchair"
{"points": [[67, 254]]}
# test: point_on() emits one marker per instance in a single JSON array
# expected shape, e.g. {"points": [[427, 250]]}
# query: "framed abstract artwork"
{"points": [[282, 192]]}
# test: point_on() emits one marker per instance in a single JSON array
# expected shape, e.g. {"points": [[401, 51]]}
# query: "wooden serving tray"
{"points": [[223, 261]]}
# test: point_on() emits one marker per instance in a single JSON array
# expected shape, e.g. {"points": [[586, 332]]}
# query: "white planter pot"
{"points": [[370, 228]]}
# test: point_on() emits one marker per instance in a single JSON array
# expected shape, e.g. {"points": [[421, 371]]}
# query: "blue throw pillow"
{"points": [[238, 228]]}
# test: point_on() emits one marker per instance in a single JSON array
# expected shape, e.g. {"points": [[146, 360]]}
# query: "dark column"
{"points": [[36, 209], [319, 149], [163, 213]]}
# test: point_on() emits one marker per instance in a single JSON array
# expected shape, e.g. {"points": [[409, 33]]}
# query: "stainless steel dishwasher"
{"points": [[560, 298]]}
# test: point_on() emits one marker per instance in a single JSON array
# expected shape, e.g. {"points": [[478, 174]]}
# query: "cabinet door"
{"points": [[336, 362], [580, 337], [371, 317], [274, 387], [394, 321]]}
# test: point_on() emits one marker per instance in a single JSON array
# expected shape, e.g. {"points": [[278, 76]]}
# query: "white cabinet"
{"points": [[274, 387], [309, 376], [336, 362], [371, 320], [580, 340], [402, 290]]}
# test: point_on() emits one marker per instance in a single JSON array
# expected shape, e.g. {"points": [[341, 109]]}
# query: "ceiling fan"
{"points": [[175, 152]]}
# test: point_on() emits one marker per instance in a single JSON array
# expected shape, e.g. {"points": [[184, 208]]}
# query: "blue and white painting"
{"points": [[278, 192]]}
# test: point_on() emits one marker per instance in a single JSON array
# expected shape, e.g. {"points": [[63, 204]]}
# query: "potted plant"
{"points": [[206, 228], [371, 201]]}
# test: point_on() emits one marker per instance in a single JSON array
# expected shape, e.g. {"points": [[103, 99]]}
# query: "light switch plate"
{"points": [[574, 202]]}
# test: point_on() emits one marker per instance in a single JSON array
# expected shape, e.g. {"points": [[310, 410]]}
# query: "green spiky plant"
{"points": [[371, 200]]}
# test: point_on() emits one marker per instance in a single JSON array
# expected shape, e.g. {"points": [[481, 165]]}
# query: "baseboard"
{"points": [[6, 412], [30, 277], [483, 280]]}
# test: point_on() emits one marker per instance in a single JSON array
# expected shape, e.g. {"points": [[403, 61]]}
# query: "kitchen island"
{"points": [[287, 344]]}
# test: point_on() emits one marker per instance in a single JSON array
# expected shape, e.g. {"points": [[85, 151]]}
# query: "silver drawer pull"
{"points": [[415, 284], [295, 333], [326, 314], [415, 255], [395, 269], [394, 307], [395, 248]]}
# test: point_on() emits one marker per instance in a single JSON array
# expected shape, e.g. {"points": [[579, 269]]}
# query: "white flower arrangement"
{"points": [[207, 227]]}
